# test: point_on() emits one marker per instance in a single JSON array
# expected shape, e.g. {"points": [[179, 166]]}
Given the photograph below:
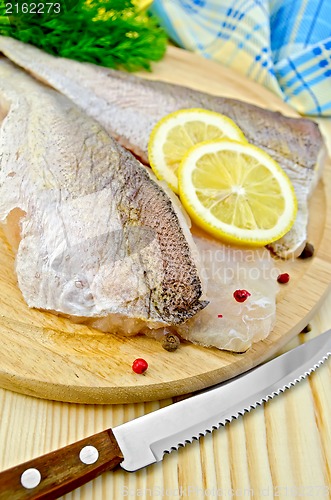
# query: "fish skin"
{"points": [[99, 236], [129, 107]]}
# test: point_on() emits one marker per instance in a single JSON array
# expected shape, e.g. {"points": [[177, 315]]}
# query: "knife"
{"points": [[144, 441]]}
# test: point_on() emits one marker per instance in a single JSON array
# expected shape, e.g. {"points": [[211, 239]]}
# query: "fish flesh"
{"points": [[128, 107], [226, 323], [96, 237]]}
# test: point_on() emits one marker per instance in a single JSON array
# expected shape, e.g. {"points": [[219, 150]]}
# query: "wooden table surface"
{"points": [[281, 450]]}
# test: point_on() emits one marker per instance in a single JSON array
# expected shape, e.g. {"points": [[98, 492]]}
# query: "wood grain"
{"points": [[50, 357]]}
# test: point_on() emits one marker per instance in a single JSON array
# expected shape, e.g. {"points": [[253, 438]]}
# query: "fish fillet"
{"points": [[96, 237], [128, 107]]}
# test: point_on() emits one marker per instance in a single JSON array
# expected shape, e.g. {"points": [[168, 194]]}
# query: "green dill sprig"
{"points": [[111, 33]]}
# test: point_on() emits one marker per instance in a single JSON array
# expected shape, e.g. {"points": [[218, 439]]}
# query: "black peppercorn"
{"points": [[170, 342], [307, 252]]}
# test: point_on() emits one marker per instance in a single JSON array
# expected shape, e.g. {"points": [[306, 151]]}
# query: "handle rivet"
{"points": [[88, 455], [30, 478]]}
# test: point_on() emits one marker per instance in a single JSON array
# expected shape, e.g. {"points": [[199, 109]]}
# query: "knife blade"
{"points": [[145, 440]]}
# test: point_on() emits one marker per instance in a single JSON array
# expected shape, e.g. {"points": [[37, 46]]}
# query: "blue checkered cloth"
{"points": [[282, 44]]}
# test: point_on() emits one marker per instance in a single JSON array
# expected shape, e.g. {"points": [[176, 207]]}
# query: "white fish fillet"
{"points": [[128, 107], [95, 236]]}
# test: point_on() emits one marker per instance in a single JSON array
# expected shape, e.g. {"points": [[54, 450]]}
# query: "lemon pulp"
{"points": [[237, 192]]}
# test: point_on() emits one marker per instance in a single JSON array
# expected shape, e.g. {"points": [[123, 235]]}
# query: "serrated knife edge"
{"points": [[146, 439], [252, 407]]}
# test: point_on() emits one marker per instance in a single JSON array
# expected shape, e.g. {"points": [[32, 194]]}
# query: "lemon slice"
{"points": [[177, 132], [237, 192]]}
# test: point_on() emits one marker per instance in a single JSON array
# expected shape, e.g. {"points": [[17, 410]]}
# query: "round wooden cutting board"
{"points": [[49, 357]]}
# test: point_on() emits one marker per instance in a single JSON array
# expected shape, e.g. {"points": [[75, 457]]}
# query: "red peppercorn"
{"points": [[139, 365], [241, 295], [283, 278]]}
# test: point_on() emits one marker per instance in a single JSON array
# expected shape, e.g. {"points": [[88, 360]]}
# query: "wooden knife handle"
{"points": [[63, 470]]}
